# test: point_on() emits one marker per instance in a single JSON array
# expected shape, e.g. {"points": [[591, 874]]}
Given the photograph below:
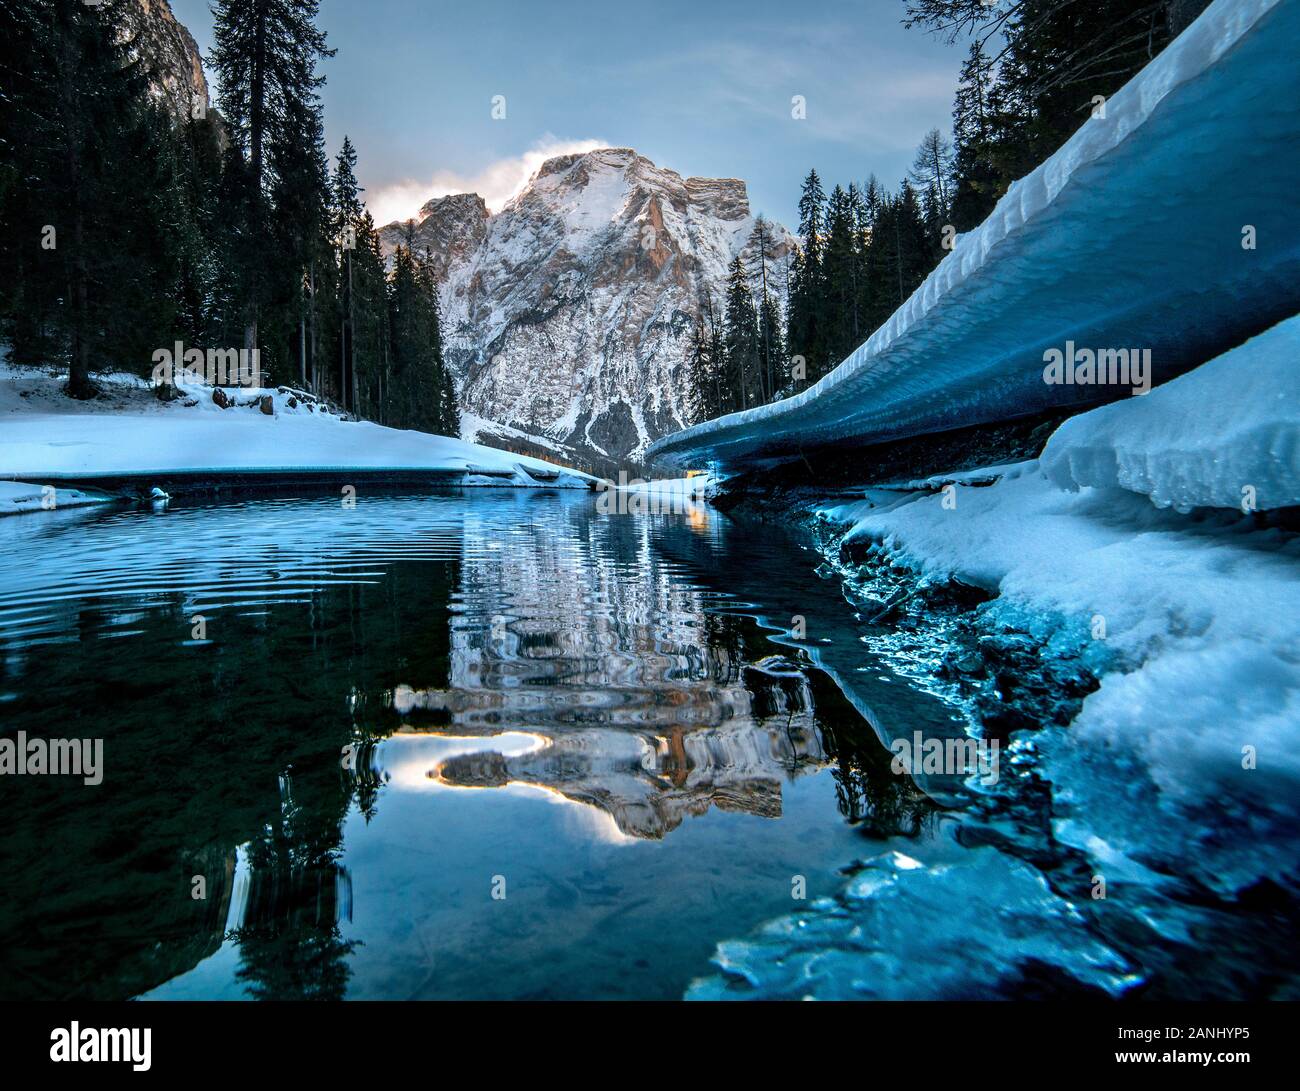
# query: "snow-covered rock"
{"points": [[1167, 224], [567, 315], [17, 497], [1225, 435], [1192, 627]]}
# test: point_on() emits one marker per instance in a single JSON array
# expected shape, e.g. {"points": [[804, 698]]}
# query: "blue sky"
{"points": [[703, 87]]}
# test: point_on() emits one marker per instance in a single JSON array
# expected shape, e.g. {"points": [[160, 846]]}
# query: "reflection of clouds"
{"points": [[646, 784], [414, 761]]}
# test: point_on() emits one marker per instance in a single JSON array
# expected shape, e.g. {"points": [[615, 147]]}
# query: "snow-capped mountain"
{"points": [[567, 315]]}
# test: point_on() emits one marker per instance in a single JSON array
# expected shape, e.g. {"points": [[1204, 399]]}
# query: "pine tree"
{"points": [[301, 227], [372, 335], [1015, 109], [873, 308], [805, 336], [102, 253], [741, 387], [347, 209], [975, 171], [932, 167], [839, 272], [706, 362], [265, 54], [421, 392], [762, 247], [771, 347]]}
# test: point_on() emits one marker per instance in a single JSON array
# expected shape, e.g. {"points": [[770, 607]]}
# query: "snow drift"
{"points": [[45, 437], [1225, 435], [1131, 235]]}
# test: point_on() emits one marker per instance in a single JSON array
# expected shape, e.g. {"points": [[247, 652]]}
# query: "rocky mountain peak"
{"points": [[568, 313], [448, 228]]}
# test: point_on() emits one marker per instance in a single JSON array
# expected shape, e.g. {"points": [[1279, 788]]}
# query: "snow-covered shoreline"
{"points": [[46, 438], [1139, 549], [21, 497]]}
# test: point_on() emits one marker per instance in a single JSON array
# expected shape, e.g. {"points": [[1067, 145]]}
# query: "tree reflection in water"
{"points": [[632, 648]]}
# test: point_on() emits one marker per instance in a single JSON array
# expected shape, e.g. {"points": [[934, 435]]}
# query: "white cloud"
{"points": [[496, 183]]}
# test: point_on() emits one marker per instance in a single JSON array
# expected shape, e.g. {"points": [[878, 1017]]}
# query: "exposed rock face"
{"points": [[152, 33], [450, 228], [567, 315]]}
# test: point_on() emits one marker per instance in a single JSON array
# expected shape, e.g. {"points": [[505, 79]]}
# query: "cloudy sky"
{"points": [[703, 87]]}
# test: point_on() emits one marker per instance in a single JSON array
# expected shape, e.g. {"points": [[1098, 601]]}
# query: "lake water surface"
{"points": [[481, 744], [494, 744]]}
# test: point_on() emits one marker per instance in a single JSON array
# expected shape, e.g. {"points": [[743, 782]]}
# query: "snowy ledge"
{"points": [[1192, 623], [47, 439], [21, 497], [1130, 236]]}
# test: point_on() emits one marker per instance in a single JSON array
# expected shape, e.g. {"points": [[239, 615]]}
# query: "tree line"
{"points": [[1035, 71], [124, 228], [736, 356]]}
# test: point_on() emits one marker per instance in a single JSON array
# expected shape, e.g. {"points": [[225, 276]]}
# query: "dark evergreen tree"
{"points": [[301, 227], [932, 168], [102, 251], [420, 393], [707, 363], [265, 54], [805, 337], [771, 345], [369, 341], [975, 170], [763, 250], [347, 213], [839, 279], [741, 386]]}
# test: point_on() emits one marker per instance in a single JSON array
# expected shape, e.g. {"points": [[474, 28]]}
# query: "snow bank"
{"points": [[1180, 774], [1129, 236], [17, 497], [1193, 627], [1224, 435], [47, 437]]}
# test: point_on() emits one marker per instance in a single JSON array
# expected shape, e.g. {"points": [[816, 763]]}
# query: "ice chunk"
{"points": [[960, 930]]}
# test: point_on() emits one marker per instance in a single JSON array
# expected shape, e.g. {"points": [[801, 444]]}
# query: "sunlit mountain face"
{"points": [[430, 746]]}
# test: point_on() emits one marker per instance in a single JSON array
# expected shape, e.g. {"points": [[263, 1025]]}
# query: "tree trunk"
{"points": [[343, 340], [352, 338], [79, 384], [315, 372]]}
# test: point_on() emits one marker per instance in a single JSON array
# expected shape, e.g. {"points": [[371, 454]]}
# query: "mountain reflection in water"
{"points": [[401, 711]]}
